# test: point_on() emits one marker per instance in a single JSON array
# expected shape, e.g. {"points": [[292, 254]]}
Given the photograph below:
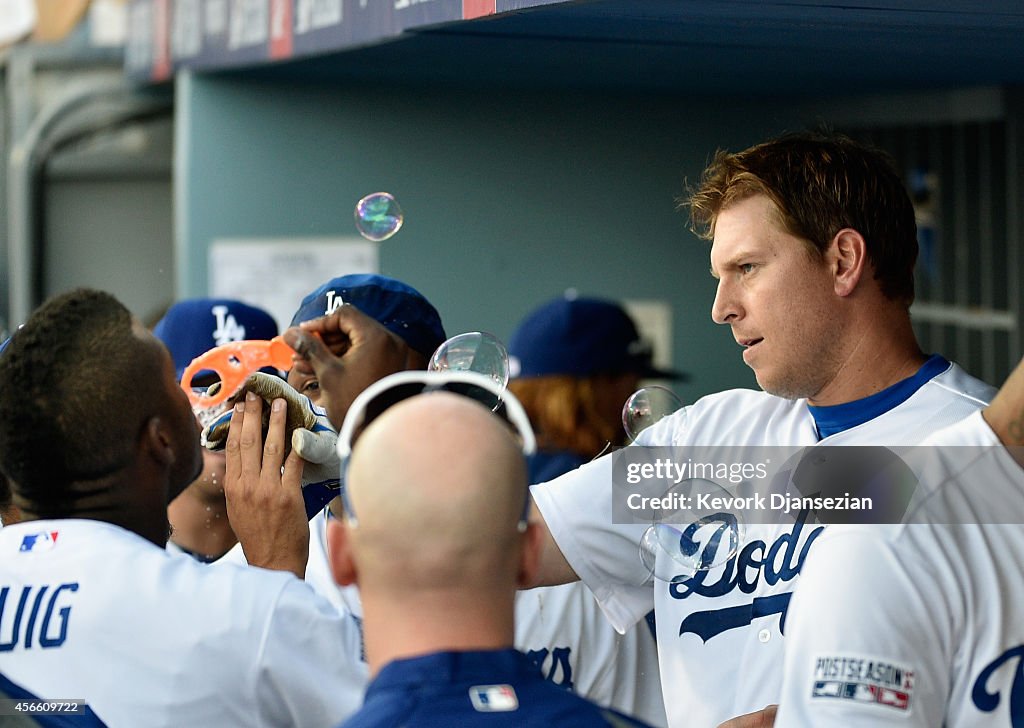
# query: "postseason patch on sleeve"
{"points": [[494, 698], [863, 680]]}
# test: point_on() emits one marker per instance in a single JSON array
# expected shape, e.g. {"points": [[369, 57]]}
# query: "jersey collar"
{"points": [[840, 417]]}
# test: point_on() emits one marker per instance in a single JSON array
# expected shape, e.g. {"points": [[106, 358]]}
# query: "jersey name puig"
{"points": [[34, 616], [776, 563], [988, 701]]}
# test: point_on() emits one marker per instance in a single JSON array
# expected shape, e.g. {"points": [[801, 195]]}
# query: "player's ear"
{"points": [[848, 258], [339, 553], [529, 557], [157, 440]]}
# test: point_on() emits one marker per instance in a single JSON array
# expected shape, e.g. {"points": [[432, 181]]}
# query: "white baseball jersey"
{"points": [[561, 628], [918, 624], [720, 631], [92, 611]]}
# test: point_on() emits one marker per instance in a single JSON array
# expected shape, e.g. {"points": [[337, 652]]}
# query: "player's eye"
{"points": [[747, 267], [311, 385]]}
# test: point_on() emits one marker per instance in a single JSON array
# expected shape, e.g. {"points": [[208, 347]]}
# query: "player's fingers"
{"points": [[273, 448], [308, 348], [291, 479], [345, 325], [232, 450], [250, 442]]}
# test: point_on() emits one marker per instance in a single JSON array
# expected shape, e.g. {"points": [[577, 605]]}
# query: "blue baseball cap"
{"points": [[581, 337], [196, 325], [398, 307]]}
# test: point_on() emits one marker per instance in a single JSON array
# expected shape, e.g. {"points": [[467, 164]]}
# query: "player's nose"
{"points": [[726, 308]]}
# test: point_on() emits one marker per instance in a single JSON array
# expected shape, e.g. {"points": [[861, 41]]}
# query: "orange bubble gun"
{"points": [[234, 362]]}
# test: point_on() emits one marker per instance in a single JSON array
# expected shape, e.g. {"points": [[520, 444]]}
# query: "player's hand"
{"points": [[307, 431], [764, 718], [347, 351], [321, 474], [301, 412], [264, 500]]}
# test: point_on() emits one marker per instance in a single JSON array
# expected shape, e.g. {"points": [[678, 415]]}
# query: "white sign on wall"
{"points": [[653, 321], [276, 273]]}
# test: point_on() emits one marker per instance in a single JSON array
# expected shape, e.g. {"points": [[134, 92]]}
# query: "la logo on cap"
{"points": [[227, 328], [333, 304]]}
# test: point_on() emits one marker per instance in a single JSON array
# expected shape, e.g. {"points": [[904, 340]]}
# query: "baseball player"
{"points": [[439, 607], [199, 521], [813, 248], [388, 327], [96, 437], [574, 362], [918, 623]]}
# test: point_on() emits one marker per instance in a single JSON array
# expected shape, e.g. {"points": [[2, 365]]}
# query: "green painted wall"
{"points": [[509, 197]]}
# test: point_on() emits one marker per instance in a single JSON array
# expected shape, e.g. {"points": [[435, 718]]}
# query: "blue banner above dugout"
{"points": [[772, 49], [167, 35]]}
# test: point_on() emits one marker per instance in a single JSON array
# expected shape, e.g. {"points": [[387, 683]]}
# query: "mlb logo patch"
{"points": [[827, 689], [864, 680], [40, 541], [894, 698], [493, 698], [860, 692]]}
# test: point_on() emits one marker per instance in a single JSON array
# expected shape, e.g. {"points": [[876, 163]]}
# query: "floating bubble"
{"points": [[647, 406], [476, 351], [378, 216], [692, 538]]}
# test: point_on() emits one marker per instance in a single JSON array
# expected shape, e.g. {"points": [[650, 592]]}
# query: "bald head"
{"points": [[437, 484]]}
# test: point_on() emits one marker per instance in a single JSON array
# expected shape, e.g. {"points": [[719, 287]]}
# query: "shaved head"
{"points": [[437, 484]]}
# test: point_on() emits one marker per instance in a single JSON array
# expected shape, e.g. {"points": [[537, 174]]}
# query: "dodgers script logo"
{"points": [[227, 328], [987, 702], [333, 304], [559, 669], [778, 563]]}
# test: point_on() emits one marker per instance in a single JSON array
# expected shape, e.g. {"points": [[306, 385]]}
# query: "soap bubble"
{"points": [[697, 539], [646, 406], [378, 216], [476, 351]]}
